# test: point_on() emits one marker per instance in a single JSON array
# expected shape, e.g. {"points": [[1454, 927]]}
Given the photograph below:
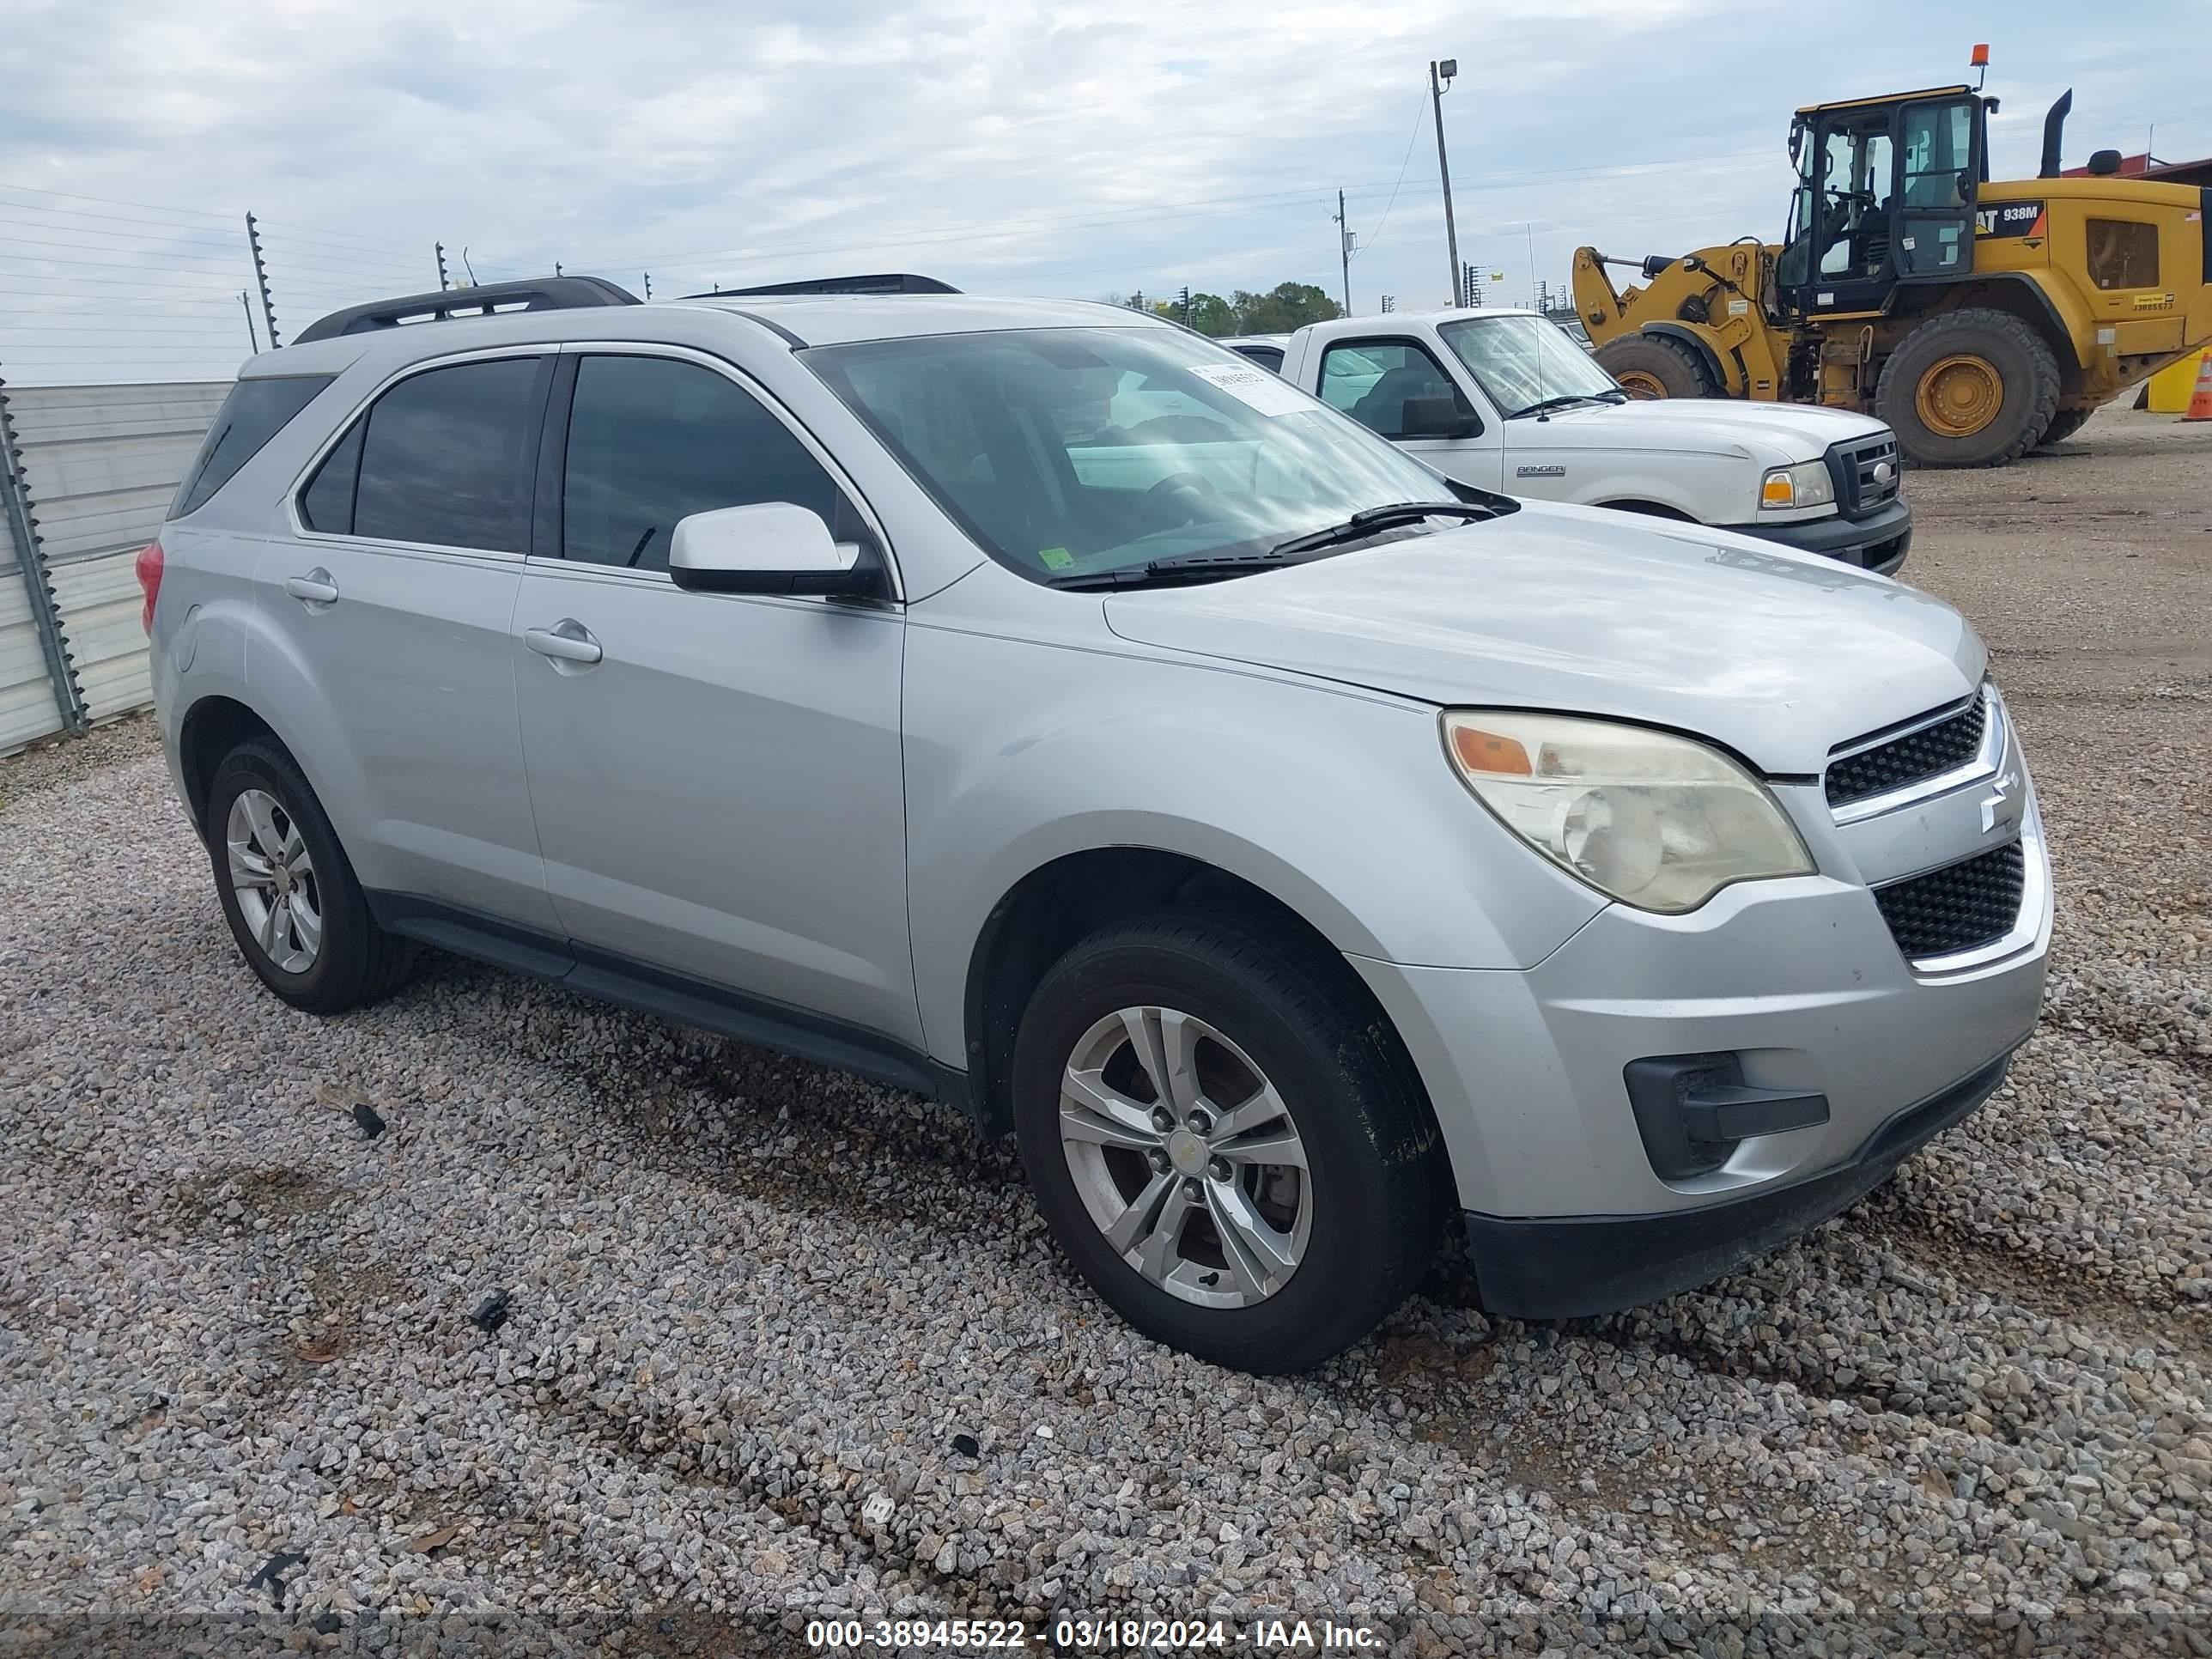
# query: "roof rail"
{"points": [[537, 293], [894, 282]]}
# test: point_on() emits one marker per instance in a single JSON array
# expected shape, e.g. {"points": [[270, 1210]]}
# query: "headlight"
{"points": [[1806, 484], [1655, 821]]}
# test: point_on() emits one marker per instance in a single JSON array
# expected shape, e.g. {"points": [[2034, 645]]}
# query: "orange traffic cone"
{"points": [[2200, 401]]}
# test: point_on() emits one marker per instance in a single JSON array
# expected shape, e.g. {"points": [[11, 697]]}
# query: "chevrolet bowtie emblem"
{"points": [[2000, 796]]}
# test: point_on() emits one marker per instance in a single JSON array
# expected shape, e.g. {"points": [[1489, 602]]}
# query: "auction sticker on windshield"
{"points": [[1268, 393]]}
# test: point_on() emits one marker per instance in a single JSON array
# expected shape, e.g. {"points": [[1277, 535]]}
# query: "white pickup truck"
{"points": [[1506, 400]]}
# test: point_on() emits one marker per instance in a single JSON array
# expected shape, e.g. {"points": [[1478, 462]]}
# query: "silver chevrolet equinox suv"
{"points": [[1035, 706]]}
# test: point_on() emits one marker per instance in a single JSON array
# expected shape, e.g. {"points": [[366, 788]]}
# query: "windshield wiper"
{"points": [[1612, 395], [1368, 520], [1198, 567]]}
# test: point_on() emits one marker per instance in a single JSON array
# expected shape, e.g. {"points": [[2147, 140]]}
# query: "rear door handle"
{"points": [[314, 588], [567, 641]]}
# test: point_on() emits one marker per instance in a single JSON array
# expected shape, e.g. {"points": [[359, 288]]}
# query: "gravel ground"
{"points": [[783, 1344]]}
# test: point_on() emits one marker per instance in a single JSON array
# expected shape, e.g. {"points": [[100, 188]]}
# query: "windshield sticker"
{"points": [[1055, 558], [1267, 393]]}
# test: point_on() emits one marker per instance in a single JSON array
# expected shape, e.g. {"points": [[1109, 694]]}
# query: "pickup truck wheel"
{"points": [[1657, 366], [288, 892], [1232, 1159], [1969, 388]]}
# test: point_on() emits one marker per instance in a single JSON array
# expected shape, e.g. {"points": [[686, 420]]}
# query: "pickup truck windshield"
{"points": [[1522, 361], [1069, 453]]}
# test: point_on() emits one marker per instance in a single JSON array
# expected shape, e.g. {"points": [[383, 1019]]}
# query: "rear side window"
{"points": [[444, 457], [653, 440], [255, 411], [2123, 254]]}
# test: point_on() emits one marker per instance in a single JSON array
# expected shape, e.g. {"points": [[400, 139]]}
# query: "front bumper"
{"points": [[1877, 543], [1800, 980], [1573, 1267]]}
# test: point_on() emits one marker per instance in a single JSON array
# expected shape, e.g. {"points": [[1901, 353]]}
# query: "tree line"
{"points": [[1285, 307]]}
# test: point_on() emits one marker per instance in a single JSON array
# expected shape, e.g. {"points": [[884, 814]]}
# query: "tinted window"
{"points": [[2123, 254], [1266, 356], [448, 457], [652, 441], [1372, 381], [253, 413], [327, 503]]}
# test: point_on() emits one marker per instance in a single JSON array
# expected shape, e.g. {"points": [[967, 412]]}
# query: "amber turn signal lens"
{"points": [[1487, 751], [1777, 491]]}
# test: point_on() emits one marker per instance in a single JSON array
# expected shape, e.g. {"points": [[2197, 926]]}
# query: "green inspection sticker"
{"points": [[1055, 558]]}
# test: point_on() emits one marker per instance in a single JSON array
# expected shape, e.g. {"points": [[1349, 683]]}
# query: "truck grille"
{"points": [[1855, 467], [1948, 742], [1957, 907]]}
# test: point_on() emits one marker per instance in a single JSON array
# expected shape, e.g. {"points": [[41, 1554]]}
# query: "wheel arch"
{"points": [[1073, 895], [211, 728], [1697, 343], [2016, 293]]}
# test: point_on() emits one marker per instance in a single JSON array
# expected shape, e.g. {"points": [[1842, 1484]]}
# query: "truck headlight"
{"points": [[1654, 820], [1806, 484]]}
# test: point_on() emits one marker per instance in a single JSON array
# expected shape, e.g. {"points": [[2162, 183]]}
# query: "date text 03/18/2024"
{"points": [[1068, 1634]]}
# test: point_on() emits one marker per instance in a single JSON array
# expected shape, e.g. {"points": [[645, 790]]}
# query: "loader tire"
{"points": [[1657, 366], [2063, 425], [1970, 388]]}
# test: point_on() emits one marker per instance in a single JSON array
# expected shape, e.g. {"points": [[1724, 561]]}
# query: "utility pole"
{"points": [[247, 305], [1440, 77], [261, 280], [444, 281], [1344, 251]]}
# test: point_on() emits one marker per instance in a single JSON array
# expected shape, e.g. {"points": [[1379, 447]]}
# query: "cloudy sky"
{"points": [[1083, 148]]}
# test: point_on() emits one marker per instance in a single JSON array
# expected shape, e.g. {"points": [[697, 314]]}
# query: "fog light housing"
{"points": [[1694, 1110]]}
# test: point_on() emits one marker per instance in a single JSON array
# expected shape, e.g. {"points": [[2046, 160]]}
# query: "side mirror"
{"points": [[773, 547], [1438, 417]]}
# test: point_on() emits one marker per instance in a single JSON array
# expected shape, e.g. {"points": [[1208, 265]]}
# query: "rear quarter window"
{"points": [[255, 411]]}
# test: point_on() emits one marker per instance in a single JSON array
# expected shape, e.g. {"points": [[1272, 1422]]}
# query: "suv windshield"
{"points": [[1522, 361], [1071, 452]]}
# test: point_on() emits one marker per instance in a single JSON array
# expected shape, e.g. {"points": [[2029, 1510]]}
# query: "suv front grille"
{"points": [[1957, 907], [1948, 742], [1854, 466]]}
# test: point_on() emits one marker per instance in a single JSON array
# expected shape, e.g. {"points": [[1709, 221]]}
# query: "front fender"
{"points": [[1339, 803]]}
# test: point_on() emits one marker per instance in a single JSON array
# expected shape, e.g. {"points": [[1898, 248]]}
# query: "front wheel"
{"points": [[1230, 1154], [1657, 366]]}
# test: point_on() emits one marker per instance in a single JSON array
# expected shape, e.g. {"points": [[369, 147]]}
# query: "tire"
{"points": [[1361, 1220], [353, 961], [2063, 425], [1969, 388], [1657, 366]]}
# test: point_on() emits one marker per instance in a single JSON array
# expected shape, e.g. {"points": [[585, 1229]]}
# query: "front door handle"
{"points": [[314, 588], [567, 641]]}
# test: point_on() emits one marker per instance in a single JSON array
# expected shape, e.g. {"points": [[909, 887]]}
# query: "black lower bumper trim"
{"points": [[1878, 543], [1573, 1267]]}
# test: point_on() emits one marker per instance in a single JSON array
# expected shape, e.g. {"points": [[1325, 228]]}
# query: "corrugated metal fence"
{"points": [[95, 467]]}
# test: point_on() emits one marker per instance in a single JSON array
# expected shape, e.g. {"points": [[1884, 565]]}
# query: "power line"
{"points": [[1404, 162]]}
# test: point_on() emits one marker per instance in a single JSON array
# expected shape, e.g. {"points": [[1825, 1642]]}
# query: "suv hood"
{"points": [[1777, 434], [1776, 655]]}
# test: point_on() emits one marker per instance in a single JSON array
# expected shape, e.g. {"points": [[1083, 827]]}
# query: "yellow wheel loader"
{"points": [[1979, 319]]}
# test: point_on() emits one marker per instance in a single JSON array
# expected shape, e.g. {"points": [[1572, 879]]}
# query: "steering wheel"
{"points": [[1173, 484]]}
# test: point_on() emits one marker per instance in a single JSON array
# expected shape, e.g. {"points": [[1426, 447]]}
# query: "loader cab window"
{"points": [[1884, 193], [1854, 189]]}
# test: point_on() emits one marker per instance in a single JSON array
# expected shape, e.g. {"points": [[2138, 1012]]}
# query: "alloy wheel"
{"points": [[1186, 1156], [273, 877]]}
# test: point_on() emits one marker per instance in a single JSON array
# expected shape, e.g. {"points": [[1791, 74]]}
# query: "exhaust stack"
{"points": [[2054, 127]]}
